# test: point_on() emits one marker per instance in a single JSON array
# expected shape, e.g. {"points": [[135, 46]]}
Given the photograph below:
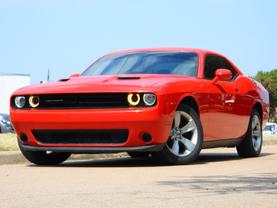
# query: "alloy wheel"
{"points": [[183, 137], [256, 132]]}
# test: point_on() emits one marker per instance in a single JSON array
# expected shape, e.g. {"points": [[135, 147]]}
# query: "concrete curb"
{"points": [[15, 157]]}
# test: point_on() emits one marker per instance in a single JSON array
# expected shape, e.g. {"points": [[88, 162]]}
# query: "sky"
{"points": [[65, 36]]}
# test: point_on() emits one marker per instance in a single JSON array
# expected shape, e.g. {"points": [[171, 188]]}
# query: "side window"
{"points": [[213, 62]]}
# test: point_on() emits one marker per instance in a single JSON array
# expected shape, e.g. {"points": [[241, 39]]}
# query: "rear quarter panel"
{"points": [[263, 98]]}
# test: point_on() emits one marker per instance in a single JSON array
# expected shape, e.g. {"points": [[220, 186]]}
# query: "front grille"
{"points": [[96, 100], [79, 101], [109, 136]]}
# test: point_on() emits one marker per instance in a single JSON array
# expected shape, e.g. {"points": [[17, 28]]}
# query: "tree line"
{"points": [[269, 81]]}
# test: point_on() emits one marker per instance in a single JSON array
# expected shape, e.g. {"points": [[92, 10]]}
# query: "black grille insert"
{"points": [[96, 100], [109, 136]]}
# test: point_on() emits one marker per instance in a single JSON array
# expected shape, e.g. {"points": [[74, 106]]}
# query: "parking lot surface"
{"points": [[217, 179]]}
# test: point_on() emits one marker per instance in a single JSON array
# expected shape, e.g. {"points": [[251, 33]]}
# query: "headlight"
{"points": [[149, 99], [133, 99], [19, 101], [34, 101]]}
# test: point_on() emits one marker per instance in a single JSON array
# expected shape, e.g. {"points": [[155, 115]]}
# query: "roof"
{"points": [[195, 50]]}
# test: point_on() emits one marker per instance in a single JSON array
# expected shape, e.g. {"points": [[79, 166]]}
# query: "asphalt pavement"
{"points": [[217, 179]]}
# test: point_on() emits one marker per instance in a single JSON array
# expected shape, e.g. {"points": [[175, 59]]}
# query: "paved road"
{"points": [[218, 179]]}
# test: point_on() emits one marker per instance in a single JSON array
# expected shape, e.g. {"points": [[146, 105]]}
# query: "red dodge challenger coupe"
{"points": [[166, 103]]}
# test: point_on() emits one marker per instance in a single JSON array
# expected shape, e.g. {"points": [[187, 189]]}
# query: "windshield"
{"points": [[146, 63]]}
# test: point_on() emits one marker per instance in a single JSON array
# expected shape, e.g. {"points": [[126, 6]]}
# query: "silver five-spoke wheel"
{"points": [[185, 139], [183, 136]]}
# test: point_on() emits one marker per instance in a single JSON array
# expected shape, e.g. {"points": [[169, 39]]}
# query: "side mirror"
{"points": [[222, 75], [74, 75]]}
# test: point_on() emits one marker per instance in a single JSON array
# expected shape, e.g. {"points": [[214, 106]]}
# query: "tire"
{"points": [[251, 145], [185, 140], [43, 158], [139, 154]]}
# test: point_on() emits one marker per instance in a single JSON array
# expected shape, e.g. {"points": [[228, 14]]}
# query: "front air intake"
{"points": [[105, 136]]}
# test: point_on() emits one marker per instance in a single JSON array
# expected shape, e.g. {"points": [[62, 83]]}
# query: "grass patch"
{"points": [[8, 142]]}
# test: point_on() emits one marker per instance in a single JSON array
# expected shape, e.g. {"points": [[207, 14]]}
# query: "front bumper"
{"points": [[152, 121], [88, 150]]}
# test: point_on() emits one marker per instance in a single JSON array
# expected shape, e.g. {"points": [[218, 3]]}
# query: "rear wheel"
{"points": [[252, 143], [185, 140], [44, 157]]}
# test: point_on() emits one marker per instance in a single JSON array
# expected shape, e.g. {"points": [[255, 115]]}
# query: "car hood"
{"points": [[112, 83]]}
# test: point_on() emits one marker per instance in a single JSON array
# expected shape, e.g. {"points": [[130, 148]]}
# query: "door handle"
{"points": [[230, 101]]}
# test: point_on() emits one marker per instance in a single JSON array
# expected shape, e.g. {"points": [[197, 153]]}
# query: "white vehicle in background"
{"points": [[270, 128], [5, 124], [9, 82]]}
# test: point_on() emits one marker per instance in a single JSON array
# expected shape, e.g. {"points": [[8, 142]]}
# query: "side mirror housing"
{"points": [[222, 75], [74, 75]]}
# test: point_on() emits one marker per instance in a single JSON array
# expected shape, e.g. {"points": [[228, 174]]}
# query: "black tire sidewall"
{"points": [[41, 158], [246, 148], [255, 153], [139, 154]]}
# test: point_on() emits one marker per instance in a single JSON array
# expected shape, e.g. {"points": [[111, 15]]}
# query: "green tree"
{"points": [[269, 81]]}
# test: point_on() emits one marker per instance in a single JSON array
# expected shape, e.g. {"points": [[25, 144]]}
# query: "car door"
{"points": [[222, 97]]}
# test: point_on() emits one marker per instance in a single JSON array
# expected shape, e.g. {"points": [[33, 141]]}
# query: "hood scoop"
{"points": [[63, 80], [127, 78]]}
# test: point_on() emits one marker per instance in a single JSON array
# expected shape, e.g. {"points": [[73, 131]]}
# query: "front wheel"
{"points": [[44, 157], [185, 140]]}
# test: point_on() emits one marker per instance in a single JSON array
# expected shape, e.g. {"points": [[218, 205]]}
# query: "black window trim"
{"points": [[234, 68]]}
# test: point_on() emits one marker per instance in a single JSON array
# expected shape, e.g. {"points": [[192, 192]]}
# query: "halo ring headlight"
{"points": [[149, 99], [133, 99], [34, 101], [20, 101]]}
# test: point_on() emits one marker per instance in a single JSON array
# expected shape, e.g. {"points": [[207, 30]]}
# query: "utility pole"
{"points": [[48, 75]]}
